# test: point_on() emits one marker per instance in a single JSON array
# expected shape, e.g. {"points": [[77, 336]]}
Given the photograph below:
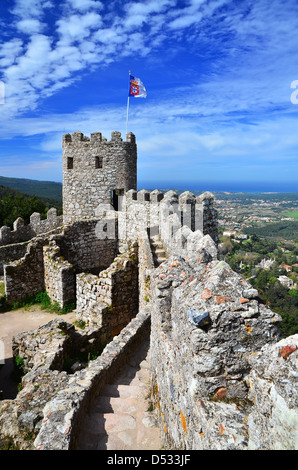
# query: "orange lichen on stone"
{"points": [[206, 294], [221, 299], [243, 300], [248, 328], [286, 351], [221, 393], [163, 423], [183, 421], [221, 429]]}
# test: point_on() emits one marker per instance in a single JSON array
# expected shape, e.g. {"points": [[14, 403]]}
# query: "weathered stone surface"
{"points": [[273, 388], [92, 168], [204, 375]]}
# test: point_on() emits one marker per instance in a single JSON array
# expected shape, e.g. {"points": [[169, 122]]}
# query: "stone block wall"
{"points": [[59, 276], [53, 221], [92, 168], [22, 232], [272, 382], [48, 381], [110, 299], [207, 324], [146, 268], [163, 214], [25, 277], [63, 413], [83, 244], [79, 247], [9, 253]]}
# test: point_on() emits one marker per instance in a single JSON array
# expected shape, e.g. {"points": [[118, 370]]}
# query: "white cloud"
{"points": [[31, 8], [9, 51], [84, 5], [78, 27], [30, 26]]}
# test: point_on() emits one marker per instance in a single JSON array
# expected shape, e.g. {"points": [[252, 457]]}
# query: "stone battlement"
{"points": [[23, 232], [96, 172], [97, 137]]}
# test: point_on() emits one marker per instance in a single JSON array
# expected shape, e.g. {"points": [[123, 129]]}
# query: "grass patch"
{"points": [[42, 299], [293, 214], [2, 289]]}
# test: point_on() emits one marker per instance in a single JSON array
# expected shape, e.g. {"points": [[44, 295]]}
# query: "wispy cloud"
{"points": [[91, 36], [232, 100]]}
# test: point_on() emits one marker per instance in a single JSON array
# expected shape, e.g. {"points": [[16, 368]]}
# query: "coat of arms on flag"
{"points": [[137, 88]]}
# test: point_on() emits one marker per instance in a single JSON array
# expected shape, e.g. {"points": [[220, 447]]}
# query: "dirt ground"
{"points": [[12, 323]]}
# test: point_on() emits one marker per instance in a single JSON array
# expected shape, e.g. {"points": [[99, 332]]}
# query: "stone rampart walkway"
{"points": [[120, 418]]}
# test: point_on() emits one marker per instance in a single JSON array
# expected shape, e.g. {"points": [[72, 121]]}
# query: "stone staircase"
{"points": [[158, 251], [120, 417]]}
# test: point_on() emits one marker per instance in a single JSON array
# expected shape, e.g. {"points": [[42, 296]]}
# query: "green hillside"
{"points": [[43, 189], [26, 197]]}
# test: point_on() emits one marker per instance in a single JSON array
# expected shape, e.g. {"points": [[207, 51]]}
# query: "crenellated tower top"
{"points": [[96, 171]]}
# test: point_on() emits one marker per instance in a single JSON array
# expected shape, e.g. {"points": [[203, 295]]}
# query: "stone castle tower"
{"points": [[96, 171]]}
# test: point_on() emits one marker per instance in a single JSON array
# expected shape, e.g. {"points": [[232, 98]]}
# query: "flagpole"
{"points": [[127, 113], [127, 103]]}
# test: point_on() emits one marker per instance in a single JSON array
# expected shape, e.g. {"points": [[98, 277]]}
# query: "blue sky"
{"points": [[219, 113]]}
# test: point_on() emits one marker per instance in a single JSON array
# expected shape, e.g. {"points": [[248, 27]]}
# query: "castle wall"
{"points": [[206, 323], [63, 413], [59, 276], [85, 245], [146, 267], [25, 277], [29, 268], [110, 299], [9, 253], [22, 232], [92, 168], [163, 214]]}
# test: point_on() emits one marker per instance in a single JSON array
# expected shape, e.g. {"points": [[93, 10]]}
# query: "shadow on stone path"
{"points": [[119, 418], [12, 323]]}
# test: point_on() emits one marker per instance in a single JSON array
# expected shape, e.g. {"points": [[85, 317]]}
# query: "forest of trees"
{"points": [[243, 258], [14, 204], [285, 229]]}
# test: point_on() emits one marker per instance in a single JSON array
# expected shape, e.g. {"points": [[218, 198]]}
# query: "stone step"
{"points": [[160, 251], [104, 404], [122, 433], [120, 417], [124, 391], [157, 244]]}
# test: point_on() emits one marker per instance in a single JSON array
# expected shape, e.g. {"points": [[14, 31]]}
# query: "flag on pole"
{"points": [[136, 88]]}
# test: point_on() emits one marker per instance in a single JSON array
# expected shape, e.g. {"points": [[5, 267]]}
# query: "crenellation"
{"points": [[132, 194], [116, 136], [156, 196], [143, 195], [130, 138], [96, 137]]}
